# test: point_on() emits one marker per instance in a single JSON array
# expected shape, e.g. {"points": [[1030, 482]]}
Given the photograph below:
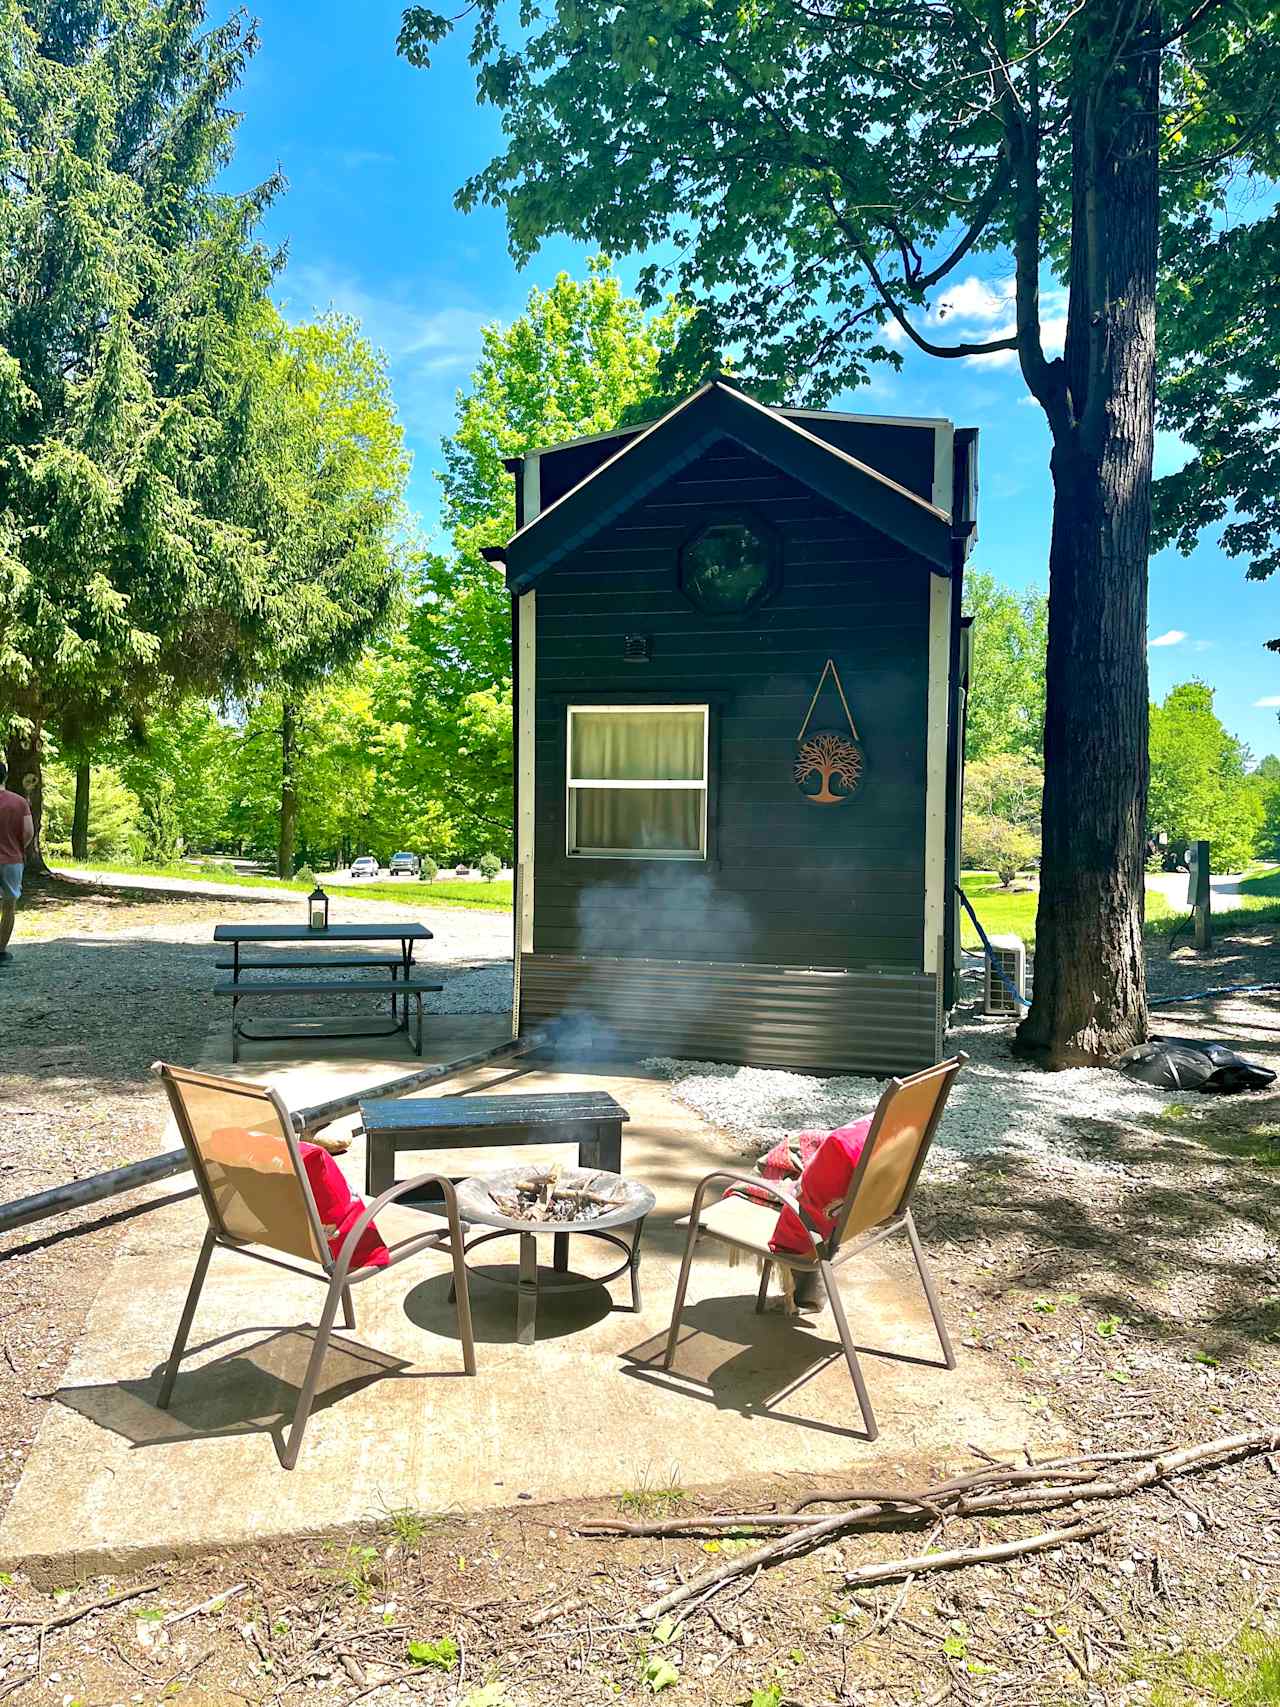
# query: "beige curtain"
{"points": [[640, 746], [637, 746], [639, 820]]}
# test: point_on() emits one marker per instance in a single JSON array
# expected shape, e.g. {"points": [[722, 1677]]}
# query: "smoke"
{"points": [[666, 911]]}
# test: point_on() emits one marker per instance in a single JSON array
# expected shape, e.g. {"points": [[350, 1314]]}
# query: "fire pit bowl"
{"points": [[491, 1199], [481, 1199]]}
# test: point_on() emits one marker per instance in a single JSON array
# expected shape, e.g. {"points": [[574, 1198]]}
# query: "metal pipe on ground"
{"points": [[22, 1211]]}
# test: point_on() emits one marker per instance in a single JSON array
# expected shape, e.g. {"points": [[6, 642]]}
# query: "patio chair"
{"points": [[256, 1192], [877, 1203]]}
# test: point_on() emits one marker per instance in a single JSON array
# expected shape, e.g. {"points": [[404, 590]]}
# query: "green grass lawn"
{"points": [[1013, 912], [452, 892]]}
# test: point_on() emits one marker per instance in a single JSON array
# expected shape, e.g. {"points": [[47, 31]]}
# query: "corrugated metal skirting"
{"points": [[762, 1016]]}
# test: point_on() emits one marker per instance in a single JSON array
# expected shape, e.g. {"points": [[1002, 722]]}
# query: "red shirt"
{"points": [[14, 811]]}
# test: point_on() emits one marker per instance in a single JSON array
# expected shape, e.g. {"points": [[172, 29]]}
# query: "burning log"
{"points": [[542, 1198]]}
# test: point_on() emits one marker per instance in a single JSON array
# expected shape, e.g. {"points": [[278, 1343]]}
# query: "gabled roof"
{"points": [[719, 410]]}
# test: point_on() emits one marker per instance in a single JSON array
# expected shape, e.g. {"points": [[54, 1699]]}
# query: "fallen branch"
{"points": [[999, 1490], [43, 1624], [991, 1554], [793, 1519]]}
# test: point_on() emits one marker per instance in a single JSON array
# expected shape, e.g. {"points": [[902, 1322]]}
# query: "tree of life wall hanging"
{"points": [[828, 764]]}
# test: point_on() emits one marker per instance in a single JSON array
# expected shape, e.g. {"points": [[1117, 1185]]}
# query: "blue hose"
{"points": [[1201, 995], [996, 967]]}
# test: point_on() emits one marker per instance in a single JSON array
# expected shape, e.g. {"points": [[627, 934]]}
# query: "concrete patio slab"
{"points": [[587, 1411]]}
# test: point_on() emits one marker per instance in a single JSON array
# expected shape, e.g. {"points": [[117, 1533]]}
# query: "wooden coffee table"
{"points": [[590, 1119]]}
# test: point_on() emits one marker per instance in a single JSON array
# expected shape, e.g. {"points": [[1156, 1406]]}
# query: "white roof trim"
{"points": [[791, 414], [774, 415], [609, 461]]}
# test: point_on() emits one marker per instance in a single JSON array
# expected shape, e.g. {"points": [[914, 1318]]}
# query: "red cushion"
{"points": [[340, 1209], [822, 1188]]}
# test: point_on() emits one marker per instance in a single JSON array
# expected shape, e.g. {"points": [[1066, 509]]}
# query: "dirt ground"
{"points": [[1144, 1312]]}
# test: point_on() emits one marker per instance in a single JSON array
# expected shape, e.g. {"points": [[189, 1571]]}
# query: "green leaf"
{"points": [[660, 1674], [442, 1654], [955, 1646], [769, 1696]]}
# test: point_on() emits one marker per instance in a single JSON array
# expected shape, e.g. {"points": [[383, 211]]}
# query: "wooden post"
{"points": [[1200, 894]]}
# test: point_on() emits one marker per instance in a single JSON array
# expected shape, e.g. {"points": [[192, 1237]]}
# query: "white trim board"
{"points": [[527, 618], [944, 464]]}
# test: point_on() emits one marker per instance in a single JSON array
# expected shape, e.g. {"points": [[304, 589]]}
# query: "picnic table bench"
{"points": [[401, 986]]}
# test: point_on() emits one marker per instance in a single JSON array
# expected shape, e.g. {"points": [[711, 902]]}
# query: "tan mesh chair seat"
{"points": [[749, 1226], [877, 1203], [248, 1168]]}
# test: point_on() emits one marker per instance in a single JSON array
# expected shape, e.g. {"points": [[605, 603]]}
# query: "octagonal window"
{"points": [[727, 567]]}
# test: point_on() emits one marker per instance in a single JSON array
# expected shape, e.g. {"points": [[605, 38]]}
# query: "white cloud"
{"points": [[428, 347], [1267, 701], [1171, 637], [397, 323], [974, 299], [353, 159]]}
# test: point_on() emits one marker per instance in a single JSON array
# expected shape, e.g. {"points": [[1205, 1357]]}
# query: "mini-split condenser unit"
{"points": [[1009, 953]]}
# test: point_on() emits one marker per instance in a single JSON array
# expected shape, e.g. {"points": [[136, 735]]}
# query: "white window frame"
{"points": [[573, 783]]}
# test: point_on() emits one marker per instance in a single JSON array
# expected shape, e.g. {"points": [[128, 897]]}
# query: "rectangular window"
{"points": [[637, 781]]}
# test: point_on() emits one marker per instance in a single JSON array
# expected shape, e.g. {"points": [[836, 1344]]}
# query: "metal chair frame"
{"points": [[336, 1272], [829, 1252]]}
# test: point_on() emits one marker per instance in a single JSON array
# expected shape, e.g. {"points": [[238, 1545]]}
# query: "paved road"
{"points": [[399, 890], [1224, 889]]}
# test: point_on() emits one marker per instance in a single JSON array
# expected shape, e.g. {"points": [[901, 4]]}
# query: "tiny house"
{"points": [[740, 674]]}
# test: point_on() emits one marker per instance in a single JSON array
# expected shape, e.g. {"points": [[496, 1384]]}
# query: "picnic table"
{"points": [[401, 986]]}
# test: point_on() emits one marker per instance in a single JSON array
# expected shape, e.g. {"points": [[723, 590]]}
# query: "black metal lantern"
{"points": [[318, 909]]}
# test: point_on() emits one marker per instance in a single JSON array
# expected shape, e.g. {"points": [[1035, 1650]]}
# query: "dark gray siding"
{"points": [[787, 883], [853, 1022]]}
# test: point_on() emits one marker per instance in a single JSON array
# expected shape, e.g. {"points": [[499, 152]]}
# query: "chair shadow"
{"points": [[771, 1357], [252, 1389], [493, 1307]]}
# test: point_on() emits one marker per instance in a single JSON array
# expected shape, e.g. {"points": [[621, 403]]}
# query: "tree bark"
{"points": [[1089, 999], [288, 792], [24, 756], [80, 814]]}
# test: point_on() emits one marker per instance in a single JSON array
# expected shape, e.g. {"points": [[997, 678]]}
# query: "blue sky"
{"points": [[373, 151]]}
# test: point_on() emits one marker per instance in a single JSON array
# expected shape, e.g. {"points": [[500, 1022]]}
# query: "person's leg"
{"points": [[10, 893]]}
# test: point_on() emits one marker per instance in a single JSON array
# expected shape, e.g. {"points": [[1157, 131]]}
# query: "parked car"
{"points": [[404, 865], [365, 866]]}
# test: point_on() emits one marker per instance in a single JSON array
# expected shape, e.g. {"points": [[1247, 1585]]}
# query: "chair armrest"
{"points": [[398, 1190], [737, 1177]]}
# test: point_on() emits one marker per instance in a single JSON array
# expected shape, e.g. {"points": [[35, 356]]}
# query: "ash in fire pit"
{"points": [[531, 1199], [547, 1196]]}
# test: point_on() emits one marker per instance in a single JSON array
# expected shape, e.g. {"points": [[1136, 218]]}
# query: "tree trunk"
{"points": [[1090, 979], [80, 815], [288, 793], [24, 756]]}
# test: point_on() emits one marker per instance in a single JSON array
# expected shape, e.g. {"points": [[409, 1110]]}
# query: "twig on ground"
{"points": [[956, 1556], [35, 1622], [558, 1609], [214, 1602], [1000, 1490]]}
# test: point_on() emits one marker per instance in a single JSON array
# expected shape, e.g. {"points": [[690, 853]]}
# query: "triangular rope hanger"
{"points": [[829, 668]]}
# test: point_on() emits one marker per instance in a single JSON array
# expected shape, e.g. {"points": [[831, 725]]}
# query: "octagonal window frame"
{"points": [[754, 523]]}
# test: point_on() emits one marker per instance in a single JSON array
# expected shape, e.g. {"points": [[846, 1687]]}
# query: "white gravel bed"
{"points": [[998, 1106], [481, 990]]}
